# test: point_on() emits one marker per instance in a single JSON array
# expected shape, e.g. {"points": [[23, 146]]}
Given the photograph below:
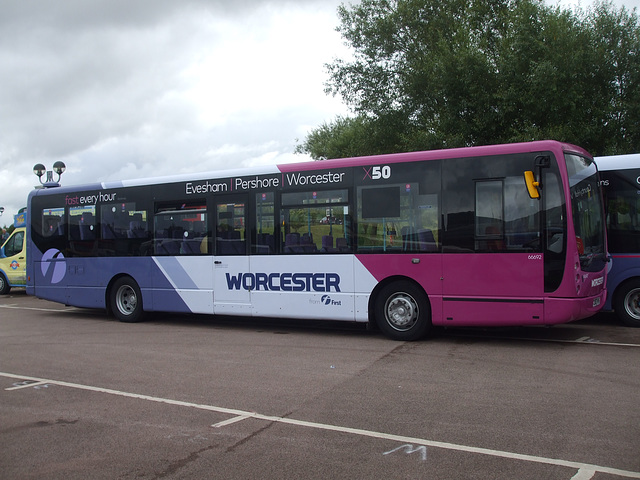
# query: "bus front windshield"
{"points": [[588, 215]]}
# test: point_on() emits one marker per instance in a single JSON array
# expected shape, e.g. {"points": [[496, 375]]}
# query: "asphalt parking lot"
{"points": [[85, 396]]}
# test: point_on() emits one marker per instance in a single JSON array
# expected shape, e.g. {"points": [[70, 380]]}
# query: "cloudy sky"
{"points": [[122, 89]]}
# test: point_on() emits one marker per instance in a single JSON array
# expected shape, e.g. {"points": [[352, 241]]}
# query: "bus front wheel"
{"points": [[125, 300], [402, 311], [4, 285], [626, 302]]}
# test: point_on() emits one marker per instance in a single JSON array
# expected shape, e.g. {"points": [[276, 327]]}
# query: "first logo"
{"points": [[53, 265]]}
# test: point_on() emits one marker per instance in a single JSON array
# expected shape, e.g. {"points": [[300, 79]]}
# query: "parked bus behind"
{"points": [[620, 176]]}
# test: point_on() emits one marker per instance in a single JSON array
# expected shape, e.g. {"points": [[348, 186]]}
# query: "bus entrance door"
{"points": [[232, 289]]}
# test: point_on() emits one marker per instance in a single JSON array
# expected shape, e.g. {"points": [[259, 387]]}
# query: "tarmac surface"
{"points": [[185, 396]]}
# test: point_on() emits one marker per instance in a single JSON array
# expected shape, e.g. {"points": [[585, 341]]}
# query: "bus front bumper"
{"points": [[563, 310]]}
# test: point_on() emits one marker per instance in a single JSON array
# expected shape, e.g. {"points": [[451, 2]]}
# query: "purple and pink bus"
{"points": [[481, 236]]}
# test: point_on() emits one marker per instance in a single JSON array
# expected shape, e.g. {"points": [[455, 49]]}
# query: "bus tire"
{"points": [[125, 300], [402, 311], [626, 302], [4, 285]]}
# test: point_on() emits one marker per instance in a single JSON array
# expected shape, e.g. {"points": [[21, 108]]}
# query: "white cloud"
{"points": [[123, 89], [130, 88]]}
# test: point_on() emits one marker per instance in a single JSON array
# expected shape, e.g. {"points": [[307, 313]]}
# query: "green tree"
{"points": [[446, 73]]}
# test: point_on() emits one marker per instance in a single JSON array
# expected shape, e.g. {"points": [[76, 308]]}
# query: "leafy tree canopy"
{"points": [[431, 74]]}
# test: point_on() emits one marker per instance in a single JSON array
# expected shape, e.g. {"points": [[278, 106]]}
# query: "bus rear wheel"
{"points": [[402, 311], [125, 300], [626, 302]]}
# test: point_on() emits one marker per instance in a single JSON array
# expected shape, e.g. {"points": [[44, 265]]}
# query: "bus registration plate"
{"points": [[596, 301]]}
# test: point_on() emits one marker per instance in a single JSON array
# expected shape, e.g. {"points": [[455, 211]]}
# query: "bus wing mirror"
{"points": [[532, 185]]}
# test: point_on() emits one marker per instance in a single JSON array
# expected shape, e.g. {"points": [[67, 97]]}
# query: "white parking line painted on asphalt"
{"points": [[25, 385], [584, 469], [584, 474], [582, 340], [232, 420], [589, 341]]}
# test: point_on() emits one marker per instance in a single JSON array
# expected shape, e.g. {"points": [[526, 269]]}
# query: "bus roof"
{"points": [[618, 162], [479, 151], [524, 147]]}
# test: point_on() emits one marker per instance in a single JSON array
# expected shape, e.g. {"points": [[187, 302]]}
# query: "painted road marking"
{"points": [[409, 449], [583, 469], [239, 418], [26, 384], [581, 340], [584, 474]]}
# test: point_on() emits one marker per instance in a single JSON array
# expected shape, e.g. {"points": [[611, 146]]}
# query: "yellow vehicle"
{"points": [[13, 258]]}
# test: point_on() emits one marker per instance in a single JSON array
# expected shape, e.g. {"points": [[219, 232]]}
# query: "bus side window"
{"points": [[180, 228], [52, 219], [231, 227], [263, 235], [506, 217], [51, 229], [398, 218], [316, 222], [622, 202], [489, 221], [125, 229], [82, 231]]}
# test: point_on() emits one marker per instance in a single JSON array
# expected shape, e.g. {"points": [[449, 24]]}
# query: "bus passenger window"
{"points": [[180, 228], [316, 222], [398, 218], [82, 231], [48, 229], [124, 230], [53, 222], [489, 222], [263, 235], [230, 228], [622, 202]]}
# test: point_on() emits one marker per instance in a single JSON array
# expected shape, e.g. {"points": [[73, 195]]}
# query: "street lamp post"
{"points": [[58, 168]]}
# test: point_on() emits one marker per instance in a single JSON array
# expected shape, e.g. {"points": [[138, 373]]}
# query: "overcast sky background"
{"points": [[120, 89]]}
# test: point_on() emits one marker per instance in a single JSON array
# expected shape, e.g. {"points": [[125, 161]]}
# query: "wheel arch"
{"points": [[107, 291], [619, 276], [382, 284], [4, 280], [4, 274], [619, 287], [616, 299]]}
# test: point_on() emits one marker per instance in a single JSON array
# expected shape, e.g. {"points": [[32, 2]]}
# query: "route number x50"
{"points": [[381, 172]]}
